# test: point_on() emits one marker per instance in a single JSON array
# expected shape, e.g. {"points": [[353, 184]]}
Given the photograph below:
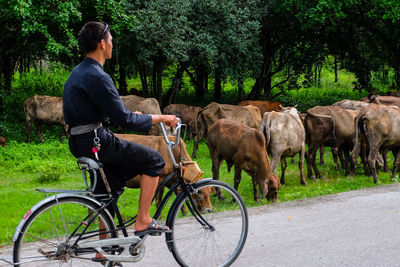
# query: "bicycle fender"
{"points": [[45, 201]]}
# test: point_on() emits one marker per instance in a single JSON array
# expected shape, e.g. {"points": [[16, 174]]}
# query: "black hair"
{"points": [[91, 34]]}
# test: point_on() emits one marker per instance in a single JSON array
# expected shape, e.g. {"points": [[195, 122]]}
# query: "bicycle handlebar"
{"points": [[171, 144]]}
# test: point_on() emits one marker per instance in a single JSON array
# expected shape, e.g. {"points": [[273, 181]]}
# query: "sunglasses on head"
{"points": [[101, 36]]}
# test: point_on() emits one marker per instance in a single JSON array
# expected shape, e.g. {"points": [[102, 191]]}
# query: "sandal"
{"points": [[154, 228]]}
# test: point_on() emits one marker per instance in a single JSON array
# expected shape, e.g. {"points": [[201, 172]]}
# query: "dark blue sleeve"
{"points": [[108, 101]]}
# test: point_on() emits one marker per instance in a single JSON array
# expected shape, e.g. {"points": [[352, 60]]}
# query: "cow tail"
{"points": [[356, 128], [197, 119], [265, 126], [334, 139]]}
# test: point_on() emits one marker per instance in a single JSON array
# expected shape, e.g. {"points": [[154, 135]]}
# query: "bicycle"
{"points": [[70, 226]]}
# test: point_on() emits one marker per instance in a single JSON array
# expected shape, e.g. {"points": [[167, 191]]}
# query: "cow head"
{"points": [[273, 188], [202, 199]]}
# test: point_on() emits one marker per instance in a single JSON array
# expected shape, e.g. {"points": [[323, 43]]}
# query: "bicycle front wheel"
{"points": [[47, 237], [194, 244]]}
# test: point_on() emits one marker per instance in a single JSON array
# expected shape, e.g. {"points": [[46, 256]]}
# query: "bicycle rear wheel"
{"points": [[47, 236], [193, 244]]}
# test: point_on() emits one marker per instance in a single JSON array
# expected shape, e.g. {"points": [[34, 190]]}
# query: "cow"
{"points": [[2, 141], [332, 126], [146, 106], [351, 104], [263, 106], [385, 100], [392, 93], [180, 154], [285, 137], [380, 124], [244, 147], [43, 110], [187, 114], [248, 115]]}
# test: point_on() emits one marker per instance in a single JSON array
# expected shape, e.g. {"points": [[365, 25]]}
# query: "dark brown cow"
{"points": [[380, 126], [392, 93], [43, 109], [2, 141], [188, 115], [385, 100], [249, 115], [244, 147], [180, 153], [263, 106], [332, 126], [146, 106]]}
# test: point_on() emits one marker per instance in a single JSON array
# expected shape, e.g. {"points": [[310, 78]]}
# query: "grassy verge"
{"points": [[24, 167]]}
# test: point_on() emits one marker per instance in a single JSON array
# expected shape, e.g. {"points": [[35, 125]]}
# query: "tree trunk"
{"points": [[336, 70], [123, 90], [205, 85], [159, 83], [217, 86], [171, 94], [240, 89], [397, 75], [143, 79], [268, 88], [199, 82]]}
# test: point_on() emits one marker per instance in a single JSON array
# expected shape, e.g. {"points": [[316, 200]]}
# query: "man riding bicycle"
{"points": [[90, 102]]}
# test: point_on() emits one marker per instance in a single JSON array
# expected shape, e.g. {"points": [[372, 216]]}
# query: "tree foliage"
{"points": [[211, 41]]}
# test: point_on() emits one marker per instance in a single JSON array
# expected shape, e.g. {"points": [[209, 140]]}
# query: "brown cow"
{"points": [[285, 137], [380, 126], [385, 100], [2, 141], [43, 109], [180, 153], [331, 126], [248, 115], [263, 106], [244, 147], [188, 115], [146, 106]]}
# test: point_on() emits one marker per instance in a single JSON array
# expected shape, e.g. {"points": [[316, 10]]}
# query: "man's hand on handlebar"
{"points": [[168, 120]]}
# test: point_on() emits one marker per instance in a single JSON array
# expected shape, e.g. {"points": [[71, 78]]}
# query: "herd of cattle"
{"points": [[243, 135]]}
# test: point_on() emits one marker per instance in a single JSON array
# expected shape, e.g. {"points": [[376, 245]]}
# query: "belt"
{"points": [[81, 129]]}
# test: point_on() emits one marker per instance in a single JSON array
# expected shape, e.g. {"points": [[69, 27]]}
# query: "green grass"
{"points": [[22, 165]]}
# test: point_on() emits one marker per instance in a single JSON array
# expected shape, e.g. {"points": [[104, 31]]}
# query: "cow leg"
{"points": [[396, 162], [311, 164], [321, 155], [283, 166], [335, 153], [276, 157], [28, 127], [301, 165], [39, 131], [216, 164], [197, 138], [347, 161], [385, 161], [253, 178], [373, 153], [238, 176]]}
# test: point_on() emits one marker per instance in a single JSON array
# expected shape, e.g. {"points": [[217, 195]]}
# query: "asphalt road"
{"points": [[357, 228]]}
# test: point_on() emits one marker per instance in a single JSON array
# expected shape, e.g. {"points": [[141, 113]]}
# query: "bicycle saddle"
{"points": [[89, 164]]}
